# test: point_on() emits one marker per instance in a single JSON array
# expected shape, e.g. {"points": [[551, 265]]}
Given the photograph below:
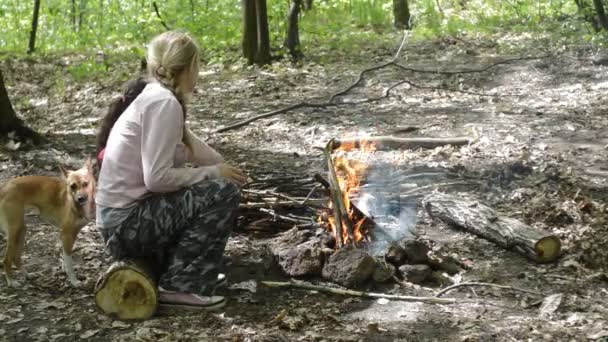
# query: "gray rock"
{"points": [[349, 266], [300, 252], [395, 254], [416, 274], [384, 271], [415, 251]]}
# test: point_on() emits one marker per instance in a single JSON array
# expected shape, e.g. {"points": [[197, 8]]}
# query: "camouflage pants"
{"points": [[184, 231]]}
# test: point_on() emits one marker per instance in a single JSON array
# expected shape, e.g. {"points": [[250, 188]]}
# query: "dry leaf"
{"points": [[550, 304], [89, 334]]}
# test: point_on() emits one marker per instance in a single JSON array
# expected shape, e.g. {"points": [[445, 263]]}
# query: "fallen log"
{"points": [[388, 142], [483, 221], [128, 290]]}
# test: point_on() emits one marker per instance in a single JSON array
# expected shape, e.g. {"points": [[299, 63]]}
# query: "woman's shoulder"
{"points": [[155, 91]]}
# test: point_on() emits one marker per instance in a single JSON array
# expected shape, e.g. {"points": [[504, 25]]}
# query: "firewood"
{"points": [[389, 142], [483, 221], [340, 213], [128, 290]]}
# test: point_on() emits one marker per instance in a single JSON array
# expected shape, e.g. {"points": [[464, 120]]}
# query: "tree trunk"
{"points": [[73, 15], [293, 34], [583, 8], [263, 49], [506, 232], [250, 38], [128, 290], [81, 14], [308, 5], [9, 122], [601, 14], [34, 26], [401, 12]]}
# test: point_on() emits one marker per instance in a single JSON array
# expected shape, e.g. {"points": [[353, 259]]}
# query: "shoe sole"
{"points": [[212, 307]]}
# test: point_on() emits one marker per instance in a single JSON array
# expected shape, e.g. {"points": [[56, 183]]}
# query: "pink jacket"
{"points": [[145, 153]]}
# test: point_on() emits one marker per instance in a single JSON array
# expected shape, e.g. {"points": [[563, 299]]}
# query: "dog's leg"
{"points": [[68, 237], [9, 257], [15, 227]]}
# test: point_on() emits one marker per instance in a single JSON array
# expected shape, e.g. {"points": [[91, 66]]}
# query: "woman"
{"points": [[149, 206]]}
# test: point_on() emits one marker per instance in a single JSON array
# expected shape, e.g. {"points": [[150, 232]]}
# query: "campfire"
{"points": [[347, 168]]}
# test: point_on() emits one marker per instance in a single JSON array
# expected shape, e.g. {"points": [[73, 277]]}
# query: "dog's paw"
{"points": [[12, 283]]}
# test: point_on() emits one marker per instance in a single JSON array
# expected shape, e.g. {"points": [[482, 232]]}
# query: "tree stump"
{"points": [[128, 290], [483, 221]]}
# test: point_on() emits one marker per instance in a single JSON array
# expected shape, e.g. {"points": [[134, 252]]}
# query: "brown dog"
{"points": [[67, 202]]}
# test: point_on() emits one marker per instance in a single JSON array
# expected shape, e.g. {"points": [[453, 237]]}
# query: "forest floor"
{"points": [[539, 155]]}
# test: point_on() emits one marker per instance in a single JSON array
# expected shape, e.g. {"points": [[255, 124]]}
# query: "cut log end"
{"points": [[548, 249], [127, 292]]}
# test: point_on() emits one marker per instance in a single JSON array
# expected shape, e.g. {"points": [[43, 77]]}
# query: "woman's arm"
{"points": [[161, 130], [200, 154]]}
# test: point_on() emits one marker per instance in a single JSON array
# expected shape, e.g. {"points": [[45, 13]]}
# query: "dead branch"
{"points": [[434, 186], [392, 62], [409, 285], [297, 220], [377, 67], [346, 292], [388, 142], [468, 71], [271, 203], [452, 287], [159, 17]]}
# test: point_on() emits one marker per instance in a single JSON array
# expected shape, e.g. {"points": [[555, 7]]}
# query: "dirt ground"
{"points": [[539, 151]]}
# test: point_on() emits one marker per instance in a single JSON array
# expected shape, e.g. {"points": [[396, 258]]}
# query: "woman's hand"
{"points": [[232, 174]]}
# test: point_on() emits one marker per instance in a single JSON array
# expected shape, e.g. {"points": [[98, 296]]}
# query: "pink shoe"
{"points": [[184, 300]]}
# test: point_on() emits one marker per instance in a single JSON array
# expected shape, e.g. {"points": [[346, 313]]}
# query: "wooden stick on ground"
{"points": [[483, 221], [346, 292], [450, 288], [388, 142]]}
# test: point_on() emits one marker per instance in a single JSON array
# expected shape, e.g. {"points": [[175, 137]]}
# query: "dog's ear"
{"points": [[89, 164], [64, 170]]}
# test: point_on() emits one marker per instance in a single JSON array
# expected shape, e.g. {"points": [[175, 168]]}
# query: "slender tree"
{"points": [[9, 122], [293, 33], [263, 50], [256, 38], [34, 26], [401, 12], [601, 13], [73, 14], [250, 36]]}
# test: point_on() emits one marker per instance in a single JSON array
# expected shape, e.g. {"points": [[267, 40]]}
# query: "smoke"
{"points": [[380, 199]]}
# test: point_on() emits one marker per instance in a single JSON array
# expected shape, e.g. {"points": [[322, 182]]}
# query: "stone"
{"points": [[416, 274], [349, 266], [300, 252], [395, 255], [415, 251], [384, 271]]}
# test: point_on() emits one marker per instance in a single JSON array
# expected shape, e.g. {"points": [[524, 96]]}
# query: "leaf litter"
{"points": [[539, 155]]}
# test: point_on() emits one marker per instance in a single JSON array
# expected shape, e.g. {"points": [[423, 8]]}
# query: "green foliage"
{"points": [[124, 26]]}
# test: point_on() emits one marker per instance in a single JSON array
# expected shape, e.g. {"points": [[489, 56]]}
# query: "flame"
{"points": [[350, 172]]}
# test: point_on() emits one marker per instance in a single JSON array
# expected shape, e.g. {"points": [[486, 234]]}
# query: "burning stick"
{"points": [[340, 213], [388, 142]]}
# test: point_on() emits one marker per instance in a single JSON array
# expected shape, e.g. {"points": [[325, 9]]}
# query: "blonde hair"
{"points": [[169, 55]]}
